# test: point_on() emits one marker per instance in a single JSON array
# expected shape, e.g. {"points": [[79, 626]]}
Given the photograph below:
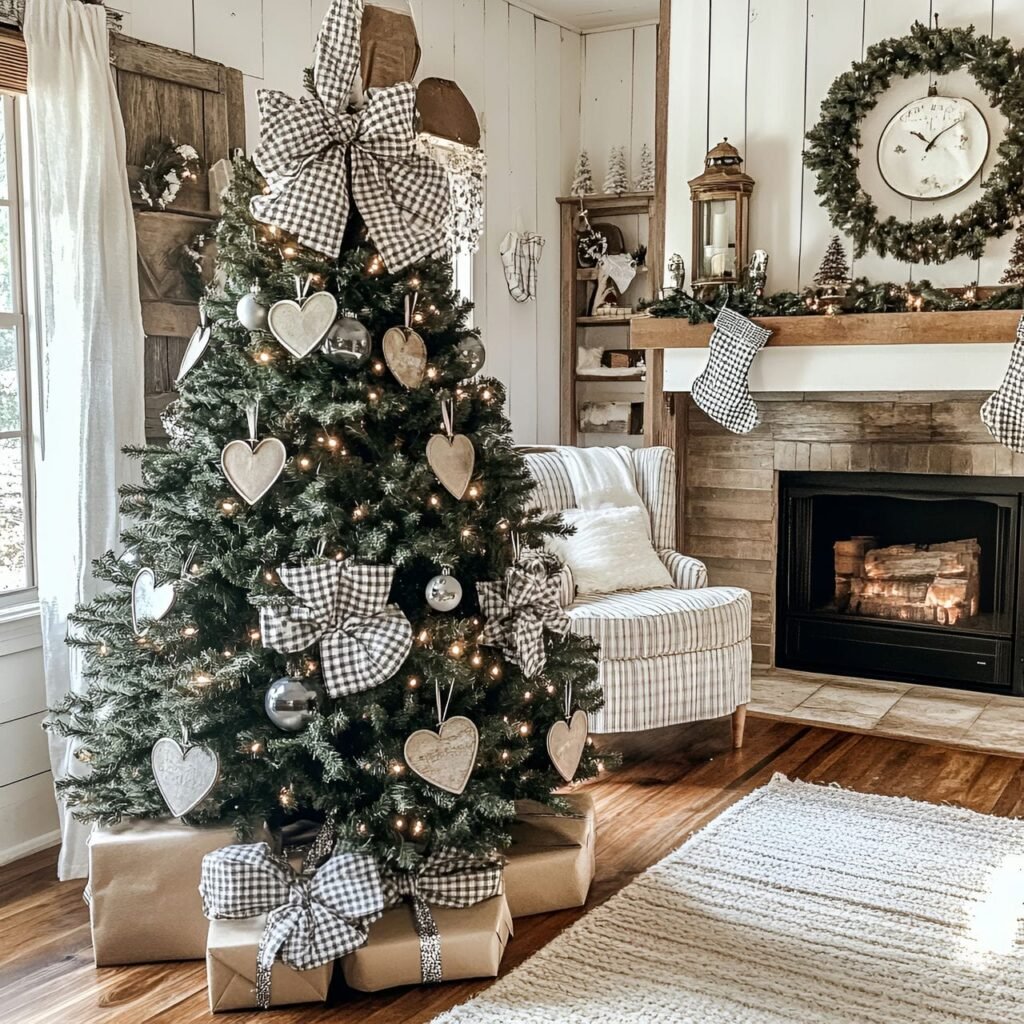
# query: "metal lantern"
{"points": [[721, 217]]}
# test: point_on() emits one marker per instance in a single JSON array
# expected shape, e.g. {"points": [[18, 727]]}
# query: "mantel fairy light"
{"points": [[356, 490]]}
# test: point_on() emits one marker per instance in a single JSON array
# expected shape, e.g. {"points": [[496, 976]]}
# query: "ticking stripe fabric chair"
{"points": [[668, 655]]}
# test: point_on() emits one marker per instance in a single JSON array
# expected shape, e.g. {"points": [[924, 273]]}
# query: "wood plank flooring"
{"points": [[673, 782]]}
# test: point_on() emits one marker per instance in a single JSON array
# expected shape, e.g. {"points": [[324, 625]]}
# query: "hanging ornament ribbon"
{"points": [[313, 917], [251, 468], [405, 351], [451, 456], [305, 145], [520, 609], [445, 879], [566, 740], [343, 605]]}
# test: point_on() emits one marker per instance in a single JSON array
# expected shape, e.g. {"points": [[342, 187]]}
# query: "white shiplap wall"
{"points": [[521, 73]]}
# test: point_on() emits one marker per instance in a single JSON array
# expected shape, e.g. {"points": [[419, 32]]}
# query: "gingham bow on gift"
{"points": [[445, 879], [306, 144], [363, 639], [519, 610], [312, 918]]}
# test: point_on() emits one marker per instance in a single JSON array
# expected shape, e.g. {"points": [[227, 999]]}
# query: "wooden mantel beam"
{"points": [[958, 328]]}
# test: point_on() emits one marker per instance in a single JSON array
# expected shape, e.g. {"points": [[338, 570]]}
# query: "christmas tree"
{"points": [[834, 271], [645, 183], [334, 553], [1014, 273], [616, 181], [583, 177]]}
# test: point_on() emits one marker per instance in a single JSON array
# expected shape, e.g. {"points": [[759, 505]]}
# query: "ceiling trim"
{"points": [[546, 16]]}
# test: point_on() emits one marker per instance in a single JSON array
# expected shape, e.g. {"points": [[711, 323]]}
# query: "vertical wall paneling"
{"points": [[548, 102], [607, 102], [232, 32], [288, 25], [571, 77], [168, 23], [775, 118], [437, 40], [687, 117], [645, 69], [726, 73], [833, 42]]}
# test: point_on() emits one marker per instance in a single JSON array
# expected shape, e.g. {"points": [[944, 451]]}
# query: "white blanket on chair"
{"points": [[603, 478]]}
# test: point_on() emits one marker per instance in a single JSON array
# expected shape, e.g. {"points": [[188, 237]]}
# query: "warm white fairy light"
{"points": [[202, 679], [189, 631]]}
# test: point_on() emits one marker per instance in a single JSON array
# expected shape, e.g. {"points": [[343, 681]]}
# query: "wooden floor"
{"points": [[683, 780]]}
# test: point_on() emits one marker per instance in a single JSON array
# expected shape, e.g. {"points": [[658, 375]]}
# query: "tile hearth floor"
{"points": [[931, 714]]}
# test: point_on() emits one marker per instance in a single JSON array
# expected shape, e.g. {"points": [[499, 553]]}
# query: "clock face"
{"points": [[933, 147]]}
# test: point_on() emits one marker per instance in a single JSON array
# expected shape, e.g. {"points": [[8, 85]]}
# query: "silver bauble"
{"points": [[291, 703], [252, 311], [472, 353], [348, 343], [443, 592]]}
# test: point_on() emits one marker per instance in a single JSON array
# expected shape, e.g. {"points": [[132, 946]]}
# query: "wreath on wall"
{"points": [[835, 140]]}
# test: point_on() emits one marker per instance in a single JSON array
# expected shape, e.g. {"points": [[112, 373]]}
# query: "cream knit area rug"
{"points": [[801, 904]]}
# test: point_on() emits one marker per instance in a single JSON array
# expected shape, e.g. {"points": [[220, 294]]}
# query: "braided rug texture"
{"points": [[801, 904]]}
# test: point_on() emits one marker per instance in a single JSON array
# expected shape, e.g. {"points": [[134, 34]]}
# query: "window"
{"points": [[16, 568]]}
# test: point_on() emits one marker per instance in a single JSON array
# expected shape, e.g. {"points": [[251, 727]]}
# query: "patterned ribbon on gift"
{"points": [[312, 918], [519, 610], [306, 146], [445, 879], [343, 605]]}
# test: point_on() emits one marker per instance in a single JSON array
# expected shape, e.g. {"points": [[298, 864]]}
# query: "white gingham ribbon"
{"points": [[307, 147]]}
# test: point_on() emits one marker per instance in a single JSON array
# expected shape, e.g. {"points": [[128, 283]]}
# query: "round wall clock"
{"points": [[934, 147]]}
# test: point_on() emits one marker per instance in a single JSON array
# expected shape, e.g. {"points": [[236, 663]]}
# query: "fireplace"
{"points": [[901, 576]]}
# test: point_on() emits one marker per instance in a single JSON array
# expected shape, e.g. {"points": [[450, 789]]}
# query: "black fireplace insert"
{"points": [[902, 576]]}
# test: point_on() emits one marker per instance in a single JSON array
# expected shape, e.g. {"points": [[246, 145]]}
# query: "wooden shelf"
{"points": [[595, 200], [603, 321], [965, 327], [598, 378]]}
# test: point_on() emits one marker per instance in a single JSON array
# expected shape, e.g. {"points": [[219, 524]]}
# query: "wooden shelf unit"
{"points": [[578, 284]]}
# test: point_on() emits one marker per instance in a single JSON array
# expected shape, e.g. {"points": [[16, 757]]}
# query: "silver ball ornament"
{"points": [[443, 592], [291, 703], [348, 343], [472, 353], [252, 311]]}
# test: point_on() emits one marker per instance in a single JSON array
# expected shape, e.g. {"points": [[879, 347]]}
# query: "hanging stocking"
{"points": [[1003, 412], [721, 390]]}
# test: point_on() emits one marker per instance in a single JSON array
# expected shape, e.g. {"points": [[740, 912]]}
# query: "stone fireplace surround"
{"points": [[731, 481]]}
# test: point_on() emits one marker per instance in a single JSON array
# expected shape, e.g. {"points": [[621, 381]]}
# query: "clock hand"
{"points": [[920, 136], [943, 132]]}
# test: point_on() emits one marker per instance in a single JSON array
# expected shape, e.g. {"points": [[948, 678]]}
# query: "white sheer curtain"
{"points": [[89, 329]]}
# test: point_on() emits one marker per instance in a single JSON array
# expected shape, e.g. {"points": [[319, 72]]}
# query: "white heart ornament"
{"points": [[253, 471], [445, 758], [452, 460], [185, 778], [149, 601], [195, 350], [300, 328], [565, 743], [405, 352]]}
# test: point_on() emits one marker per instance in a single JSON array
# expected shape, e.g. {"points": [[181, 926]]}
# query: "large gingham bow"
{"points": [[305, 146], [519, 610], [312, 919], [445, 879], [363, 639]]}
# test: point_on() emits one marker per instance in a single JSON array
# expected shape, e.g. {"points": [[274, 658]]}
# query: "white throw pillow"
{"points": [[611, 550]]}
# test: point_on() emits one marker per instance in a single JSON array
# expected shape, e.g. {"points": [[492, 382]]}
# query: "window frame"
{"points": [[19, 320]]}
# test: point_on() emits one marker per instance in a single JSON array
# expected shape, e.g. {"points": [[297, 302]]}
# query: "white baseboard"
{"points": [[34, 845]]}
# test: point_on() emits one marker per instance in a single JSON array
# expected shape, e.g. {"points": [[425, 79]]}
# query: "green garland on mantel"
{"points": [[834, 141], [862, 297]]}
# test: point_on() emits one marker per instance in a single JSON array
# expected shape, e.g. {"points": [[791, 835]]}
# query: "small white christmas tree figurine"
{"points": [[645, 183], [616, 181], [1014, 273], [583, 177], [834, 272]]}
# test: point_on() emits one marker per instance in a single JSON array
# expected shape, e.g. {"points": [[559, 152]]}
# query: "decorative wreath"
{"points": [[834, 141]]}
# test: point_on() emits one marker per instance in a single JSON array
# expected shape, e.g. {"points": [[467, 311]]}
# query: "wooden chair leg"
{"points": [[739, 720]]}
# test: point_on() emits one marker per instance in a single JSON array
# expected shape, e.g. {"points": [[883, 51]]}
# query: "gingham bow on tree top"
{"points": [[445, 879], [519, 610], [343, 605], [312, 918], [306, 146]]}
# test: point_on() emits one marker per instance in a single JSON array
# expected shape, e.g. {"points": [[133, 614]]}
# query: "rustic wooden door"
{"points": [[169, 94]]}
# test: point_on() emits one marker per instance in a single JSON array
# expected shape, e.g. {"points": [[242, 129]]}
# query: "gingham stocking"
{"points": [[722, 390], [1003, 411]]}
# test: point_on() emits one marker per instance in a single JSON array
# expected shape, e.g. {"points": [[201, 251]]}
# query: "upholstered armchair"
{"points": [[669, 654]]}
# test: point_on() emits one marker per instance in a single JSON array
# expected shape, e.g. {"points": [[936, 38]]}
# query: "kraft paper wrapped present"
{"points": [[551, 860], [143, 891], [472, 940], [231, 952]]}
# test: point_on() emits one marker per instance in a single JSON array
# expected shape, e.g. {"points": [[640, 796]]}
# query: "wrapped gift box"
{"points": [[551, 860], [473, 940], [143, 889], [231, 951]]}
